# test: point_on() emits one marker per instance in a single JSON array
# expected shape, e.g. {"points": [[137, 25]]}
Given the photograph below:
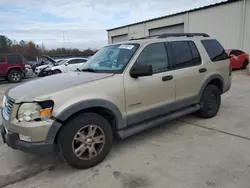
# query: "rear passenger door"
{"points": [[3, 64], [150, 96], [189, 72]]}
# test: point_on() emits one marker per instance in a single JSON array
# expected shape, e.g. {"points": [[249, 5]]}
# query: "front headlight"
{"points": [[34, 111]]}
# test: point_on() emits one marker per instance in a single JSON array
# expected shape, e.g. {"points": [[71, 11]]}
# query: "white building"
{"points": [[228, 21]]}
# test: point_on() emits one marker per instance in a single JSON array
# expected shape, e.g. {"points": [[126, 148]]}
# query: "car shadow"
{"points": [[61, 169]]}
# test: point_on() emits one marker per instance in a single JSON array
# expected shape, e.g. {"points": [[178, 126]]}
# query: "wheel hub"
{"points": [[88, 142]]}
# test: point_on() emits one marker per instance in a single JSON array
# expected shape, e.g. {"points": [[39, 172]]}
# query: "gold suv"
{"points": [[123, 89]]}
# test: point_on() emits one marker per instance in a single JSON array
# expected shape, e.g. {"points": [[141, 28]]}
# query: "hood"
{"points": [[51, 84]]}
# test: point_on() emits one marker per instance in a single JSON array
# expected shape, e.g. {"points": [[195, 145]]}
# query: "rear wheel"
{"points": [[210, 102], [244, 66], [85, 140], [15, 76]]}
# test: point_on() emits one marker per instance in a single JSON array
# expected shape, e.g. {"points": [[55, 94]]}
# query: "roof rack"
{"points": [[182, 35], [166, 35], [147, 37]]}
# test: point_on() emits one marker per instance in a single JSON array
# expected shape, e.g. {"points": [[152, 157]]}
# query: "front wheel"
{"points": [[15, 76], [85, 140], [57, 71], [210, 102]]}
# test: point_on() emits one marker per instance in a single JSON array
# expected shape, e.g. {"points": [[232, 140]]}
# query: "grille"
{"points": [[7, 108]]}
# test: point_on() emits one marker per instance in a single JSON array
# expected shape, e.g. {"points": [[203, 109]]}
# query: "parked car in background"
{"points": [[66, 65], [28, 71], [12, 67], [238, 58], [43, 60]]}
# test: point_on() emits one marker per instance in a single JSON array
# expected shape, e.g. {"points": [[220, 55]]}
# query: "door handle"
{"points": [[166, 78], [201, 70]]}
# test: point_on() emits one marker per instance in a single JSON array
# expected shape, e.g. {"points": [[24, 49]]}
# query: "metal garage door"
{"points": [[169, 29], [119, 38]]}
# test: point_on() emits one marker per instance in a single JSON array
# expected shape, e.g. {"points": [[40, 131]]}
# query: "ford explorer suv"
{"points": [[123, 89], [12, 67]]}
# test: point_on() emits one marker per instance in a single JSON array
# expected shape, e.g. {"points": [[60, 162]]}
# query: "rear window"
{"points": [[14, 58], [2, 58], [214, 49]]}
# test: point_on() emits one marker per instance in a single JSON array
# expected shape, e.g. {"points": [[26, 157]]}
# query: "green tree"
{"points": [[5, 44]]}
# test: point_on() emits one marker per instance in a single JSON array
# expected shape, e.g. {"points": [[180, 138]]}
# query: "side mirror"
{"points": [[141, 70], [66, 64]]}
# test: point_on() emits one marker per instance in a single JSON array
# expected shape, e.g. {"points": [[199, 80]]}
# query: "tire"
{"points": [[210, 102], [57, 71], [244, 66], [15, 76], [68, 140]]}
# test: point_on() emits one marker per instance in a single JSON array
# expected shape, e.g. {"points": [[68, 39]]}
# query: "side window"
{"points": [[155, 55], [238, 52], [81, 60], [73, 61], [233, 52], [2, 59], [14, 59], [214, 49], [185, 54]]}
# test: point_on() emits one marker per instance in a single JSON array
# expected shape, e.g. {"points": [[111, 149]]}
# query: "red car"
{"points": [[12, 67], [238, 59]]}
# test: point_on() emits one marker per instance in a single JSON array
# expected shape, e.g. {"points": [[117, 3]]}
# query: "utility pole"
{"points": [[64, 44]]}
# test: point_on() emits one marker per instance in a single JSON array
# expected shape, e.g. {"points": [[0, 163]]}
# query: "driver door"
{"points": [[150, 96]]}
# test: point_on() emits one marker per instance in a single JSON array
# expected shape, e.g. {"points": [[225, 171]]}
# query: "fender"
{"points": [[13, 67], [69, 111], [209, 79]]}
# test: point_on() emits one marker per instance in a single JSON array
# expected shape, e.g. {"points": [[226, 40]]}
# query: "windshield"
{"points": [[111, 59], [61, 62]]}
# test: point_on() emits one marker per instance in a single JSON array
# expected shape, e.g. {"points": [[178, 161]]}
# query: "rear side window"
{"points": [[2, 58], [14, 59], [214, 49], [185, 54], [155, 55], [73, 61], [236, 52]]}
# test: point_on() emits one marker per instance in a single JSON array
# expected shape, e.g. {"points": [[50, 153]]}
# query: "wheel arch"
{"points": [[216, 80], [13, 68], [102, 107]]}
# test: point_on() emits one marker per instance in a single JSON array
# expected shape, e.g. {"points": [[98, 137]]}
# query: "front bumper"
{"points": [[13, 141]]}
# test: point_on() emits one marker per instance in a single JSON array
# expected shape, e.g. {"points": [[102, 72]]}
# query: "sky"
{"points": [[80, 23]]}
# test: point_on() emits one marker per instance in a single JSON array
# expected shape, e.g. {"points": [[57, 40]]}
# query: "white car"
{"points": [[39, 68], [66, 65]]}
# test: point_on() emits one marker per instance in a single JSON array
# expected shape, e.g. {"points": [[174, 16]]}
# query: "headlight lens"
{"points": [[34, 111]]}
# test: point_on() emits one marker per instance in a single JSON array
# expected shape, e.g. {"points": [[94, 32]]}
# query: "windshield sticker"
{"points": [[126, 46]]}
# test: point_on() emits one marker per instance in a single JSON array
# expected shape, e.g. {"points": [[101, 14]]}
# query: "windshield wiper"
{"points": [[88, 70]]}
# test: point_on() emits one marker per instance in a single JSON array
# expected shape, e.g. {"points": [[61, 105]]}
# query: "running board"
{"points": [[137, 128]]}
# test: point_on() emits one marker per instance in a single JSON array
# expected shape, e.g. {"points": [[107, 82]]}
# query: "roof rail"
{"points": [[173, 35], [147, 37], [183, 35]]}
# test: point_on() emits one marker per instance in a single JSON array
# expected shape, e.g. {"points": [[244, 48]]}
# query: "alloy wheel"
{"points": [[88, 142]]}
